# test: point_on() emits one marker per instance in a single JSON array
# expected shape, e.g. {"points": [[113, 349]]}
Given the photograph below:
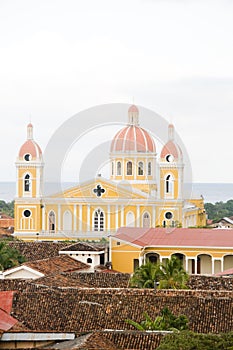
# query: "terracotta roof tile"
{"points": [[62, 263], [174, 237]]}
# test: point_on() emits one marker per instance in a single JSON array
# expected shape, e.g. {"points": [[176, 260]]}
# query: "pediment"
{"points": [[101, 188]]}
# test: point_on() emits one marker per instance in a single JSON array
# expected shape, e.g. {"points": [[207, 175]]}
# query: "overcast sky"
{"points": [[174, 57]]}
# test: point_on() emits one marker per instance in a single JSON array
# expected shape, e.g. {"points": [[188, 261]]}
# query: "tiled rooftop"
{"points": [[87, 310], [62, 263], [38, 250], [173, 237], [84, 246]]}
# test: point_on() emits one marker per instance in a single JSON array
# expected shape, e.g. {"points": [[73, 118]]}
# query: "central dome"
{"points": [[133, 138]]}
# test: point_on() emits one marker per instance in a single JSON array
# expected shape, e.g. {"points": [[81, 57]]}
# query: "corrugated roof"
{"points": [[6, 321]]}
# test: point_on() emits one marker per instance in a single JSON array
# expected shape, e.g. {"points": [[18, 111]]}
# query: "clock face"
{"points": [[169, 158], [27, 157]]}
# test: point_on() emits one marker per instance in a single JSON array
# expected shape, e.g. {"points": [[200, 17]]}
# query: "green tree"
{"points": [[9, 257], [145, 276], [166, 321], [187, 340], [7, 208], [172, 274]]}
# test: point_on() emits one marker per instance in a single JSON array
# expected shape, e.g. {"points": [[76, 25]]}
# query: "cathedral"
{"points": [[144, 190]]}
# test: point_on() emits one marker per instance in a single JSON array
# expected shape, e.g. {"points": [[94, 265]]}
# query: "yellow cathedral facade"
{"points": [[145, 190]]}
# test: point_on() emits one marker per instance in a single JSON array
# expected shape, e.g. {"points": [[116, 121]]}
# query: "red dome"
{"points": [[171, 148], [31, 147], [133, 138]]}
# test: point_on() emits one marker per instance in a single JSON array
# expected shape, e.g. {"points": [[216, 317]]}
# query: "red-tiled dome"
{"points": [[133, 138], [30, 146], [171, 148]]}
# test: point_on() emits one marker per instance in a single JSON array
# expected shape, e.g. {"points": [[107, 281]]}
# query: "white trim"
{"points": [[22, 268], [75, 217], [80, 217], [35, 336]]}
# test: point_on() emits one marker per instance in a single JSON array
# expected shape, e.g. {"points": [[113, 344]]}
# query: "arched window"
{"points": [[129, 168], [118, 168], [146, 220], [67, 221], [89, 260], [169, 184], [52, 221], [140, 168], [149, 170], [98, 220], [130, 219], [27, 183]]}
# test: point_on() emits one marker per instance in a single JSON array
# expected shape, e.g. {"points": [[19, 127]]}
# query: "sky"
{"points": [[173, 57]]}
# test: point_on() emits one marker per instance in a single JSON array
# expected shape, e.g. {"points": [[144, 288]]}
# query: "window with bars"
{"points": [[98, 220], [140, 168], [129, 168], [27, 183], [118, 168]]}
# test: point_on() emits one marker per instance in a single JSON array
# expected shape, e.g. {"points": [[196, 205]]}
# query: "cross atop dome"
{"points": [[133, 115]]}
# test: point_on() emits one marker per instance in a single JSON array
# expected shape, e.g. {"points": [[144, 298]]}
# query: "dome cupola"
{"points": [[171, 151], [133, 138], [30, 150]]}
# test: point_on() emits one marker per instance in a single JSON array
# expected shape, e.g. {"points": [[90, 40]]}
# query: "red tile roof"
{"points": [[62, 263], [176, 237], [6, 321]]}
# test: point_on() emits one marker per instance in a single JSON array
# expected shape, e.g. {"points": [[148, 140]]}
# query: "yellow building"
{"points": [[144, 190], [202, 251]]}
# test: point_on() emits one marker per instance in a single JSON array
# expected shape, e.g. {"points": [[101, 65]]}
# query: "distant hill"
{"points": [[7, 208], [219, 210]]}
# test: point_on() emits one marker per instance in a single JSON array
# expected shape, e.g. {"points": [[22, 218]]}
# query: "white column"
{"points": [[123, 168], [140, 260], [195, 265], [138, 216], [222, 265], [186, 264], [80, 217], [212, 265], [122, 215], [116, 216], [153, 216], [88, 217], [135, 168], [75, 217], [59, 217], [43, 217], [109, 217]]}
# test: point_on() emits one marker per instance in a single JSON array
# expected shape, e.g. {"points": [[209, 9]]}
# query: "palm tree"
{"points": [[145, 276], [172, 274], [166, 321]]}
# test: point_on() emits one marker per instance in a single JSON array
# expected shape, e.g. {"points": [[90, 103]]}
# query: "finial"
{"points": [[170, 132], [30, 131], [133, 115]]}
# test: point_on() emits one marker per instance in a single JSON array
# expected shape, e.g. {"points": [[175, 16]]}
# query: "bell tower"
{"points": [[170, 190], [29, 182]]}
